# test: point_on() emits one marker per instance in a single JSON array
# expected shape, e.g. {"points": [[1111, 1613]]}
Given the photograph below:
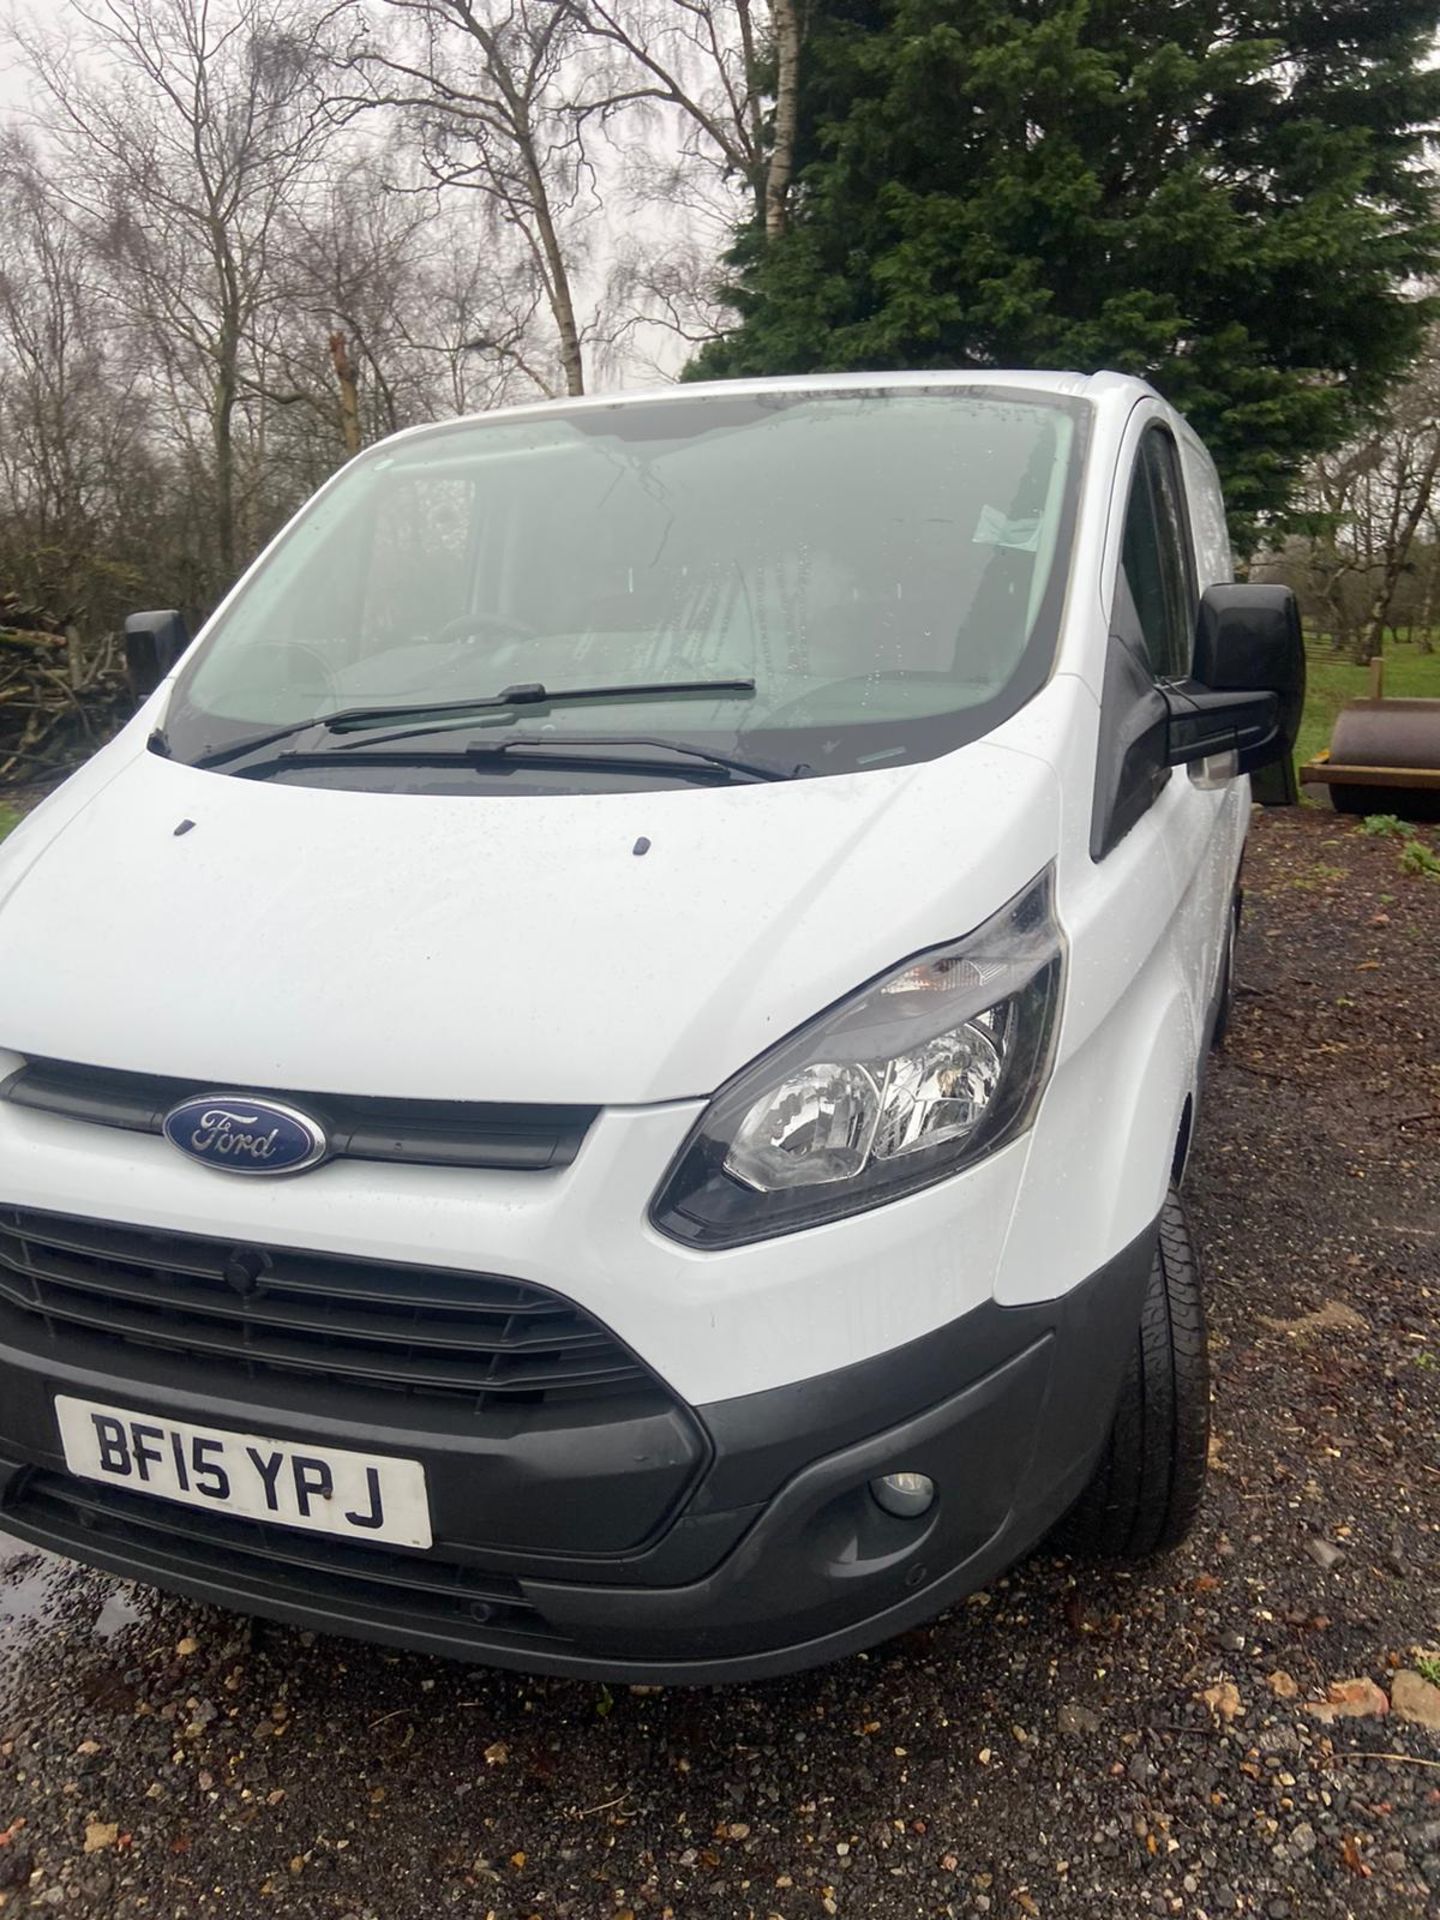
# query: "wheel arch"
{"points": [[1115, 1122]]}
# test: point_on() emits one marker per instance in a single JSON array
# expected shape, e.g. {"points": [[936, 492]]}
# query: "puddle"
{"points": [[39, 1592], [30, 1583], [122, 1609]]}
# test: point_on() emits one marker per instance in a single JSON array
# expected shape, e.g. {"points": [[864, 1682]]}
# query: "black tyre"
{"points": [[1355, 800], [1226, 1003], [1410, 803], [1147, 1489]]}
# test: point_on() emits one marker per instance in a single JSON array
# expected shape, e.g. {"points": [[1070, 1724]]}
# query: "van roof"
{"points": [[1112, 389]]}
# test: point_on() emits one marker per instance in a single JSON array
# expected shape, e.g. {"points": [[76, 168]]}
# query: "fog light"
{"points": [[905, 1494]]}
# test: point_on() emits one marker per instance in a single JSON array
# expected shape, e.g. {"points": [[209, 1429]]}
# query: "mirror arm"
{"points": [[1202, 723]]}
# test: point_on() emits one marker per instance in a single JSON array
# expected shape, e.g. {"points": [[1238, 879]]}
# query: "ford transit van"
{"points": [[599, 1079]]}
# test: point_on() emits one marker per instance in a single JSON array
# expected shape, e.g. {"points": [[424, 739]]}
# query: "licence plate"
{"points": [[357, 1496]]}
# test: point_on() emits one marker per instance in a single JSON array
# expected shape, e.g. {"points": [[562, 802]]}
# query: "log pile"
{"points": [[60, 695]]}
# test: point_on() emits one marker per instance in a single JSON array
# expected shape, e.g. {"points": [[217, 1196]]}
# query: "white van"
{"points": [[598, 1080]]}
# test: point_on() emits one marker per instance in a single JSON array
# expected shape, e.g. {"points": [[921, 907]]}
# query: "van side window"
{"points": [[1156, 559]]}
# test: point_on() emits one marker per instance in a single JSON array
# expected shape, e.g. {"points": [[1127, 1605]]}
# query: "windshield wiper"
{"points": [[549, 748], [438, 715], [632, 751]]}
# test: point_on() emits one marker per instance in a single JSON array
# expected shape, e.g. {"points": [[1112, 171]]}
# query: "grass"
{"points": [[1332, 680], [1416, 857], [8, 818]]}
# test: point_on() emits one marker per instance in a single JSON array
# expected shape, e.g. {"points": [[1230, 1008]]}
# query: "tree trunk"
{"points": [[787, 114], [349, 392], [224, 437], [227, 392], [571, 359], [557, 281], [754, 123]]}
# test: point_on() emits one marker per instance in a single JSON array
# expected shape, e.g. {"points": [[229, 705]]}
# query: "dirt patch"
{"points": [[1076, 1741]]}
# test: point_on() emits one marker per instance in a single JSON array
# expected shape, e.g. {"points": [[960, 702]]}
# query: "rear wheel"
{"points": [[1147, 1488]]}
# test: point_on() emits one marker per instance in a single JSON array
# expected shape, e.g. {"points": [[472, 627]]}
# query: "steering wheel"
{"points": [[467, 626]]}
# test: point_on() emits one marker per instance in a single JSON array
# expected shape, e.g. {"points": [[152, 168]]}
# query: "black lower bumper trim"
{"points": [[268, 1565], [1006, 1409]]}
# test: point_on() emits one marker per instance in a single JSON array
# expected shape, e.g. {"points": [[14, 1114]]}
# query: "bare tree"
{"points": [[218, 280], [394, 303], [707, 61], [72, 452], [485, 86], [184, 131], [72, 411], [1370, 506], [1399, 485], [348, 279], [1331, 562], [485, 330]]}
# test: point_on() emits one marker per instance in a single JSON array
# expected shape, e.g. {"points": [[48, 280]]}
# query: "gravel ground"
{"points": [[1074, 1741]]}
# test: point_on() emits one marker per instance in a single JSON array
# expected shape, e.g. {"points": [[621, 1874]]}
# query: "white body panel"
{"points": [[516, 949], [505, 950]]}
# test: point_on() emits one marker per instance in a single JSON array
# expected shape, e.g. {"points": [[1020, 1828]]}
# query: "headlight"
{"points": [[924, 1071]]}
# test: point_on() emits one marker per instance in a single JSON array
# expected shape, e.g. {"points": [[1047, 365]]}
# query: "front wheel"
{"points": [[1147, 1488]]}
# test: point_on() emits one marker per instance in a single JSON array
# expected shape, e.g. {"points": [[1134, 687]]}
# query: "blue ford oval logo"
{"points": [[240, 1135]]}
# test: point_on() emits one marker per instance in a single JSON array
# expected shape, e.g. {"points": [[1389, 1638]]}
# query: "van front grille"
{"points": [[505, 1136], [350, 1322]]}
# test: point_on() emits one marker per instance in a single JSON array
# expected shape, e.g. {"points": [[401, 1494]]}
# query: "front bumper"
{"points": [[762, 1550]]}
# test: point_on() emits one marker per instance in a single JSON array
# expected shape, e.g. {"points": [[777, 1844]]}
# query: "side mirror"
{"points": [[1247, 680], [153, 643]]}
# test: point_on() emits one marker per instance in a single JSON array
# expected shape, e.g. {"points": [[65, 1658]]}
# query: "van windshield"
{"points": [[887, 568]]}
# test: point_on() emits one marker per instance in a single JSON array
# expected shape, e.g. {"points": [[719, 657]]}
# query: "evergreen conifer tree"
{"points": [[1232, 199]]}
